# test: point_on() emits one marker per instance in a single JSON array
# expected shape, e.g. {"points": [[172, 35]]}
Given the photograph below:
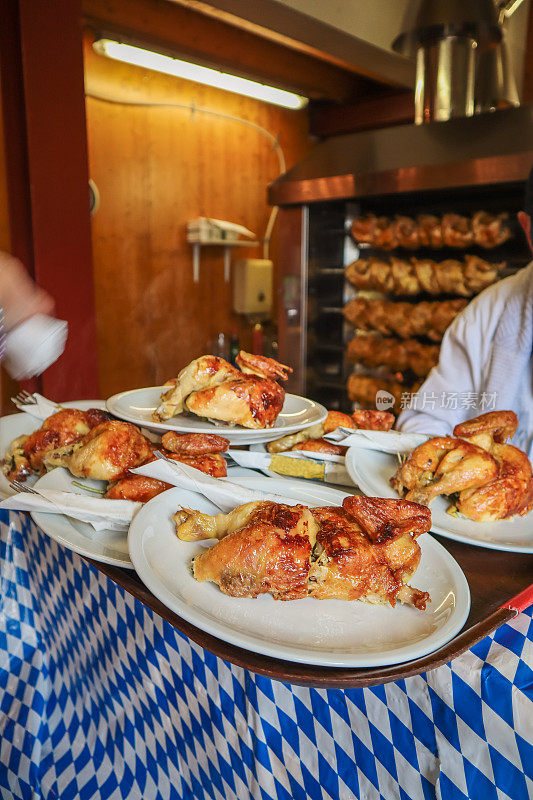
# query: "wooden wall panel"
{"points": [[157, 168]]}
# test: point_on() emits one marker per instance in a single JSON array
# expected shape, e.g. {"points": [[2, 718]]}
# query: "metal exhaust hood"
{"points": [[462, 65], [483, 149]]}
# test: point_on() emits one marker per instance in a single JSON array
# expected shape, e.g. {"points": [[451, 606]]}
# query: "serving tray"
{"points": [[501, 585]]}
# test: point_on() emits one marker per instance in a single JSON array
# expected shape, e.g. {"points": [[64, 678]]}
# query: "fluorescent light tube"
{"points": [[192, 72]]}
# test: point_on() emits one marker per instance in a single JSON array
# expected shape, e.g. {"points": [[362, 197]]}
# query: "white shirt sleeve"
{"points": [[445, 397]]}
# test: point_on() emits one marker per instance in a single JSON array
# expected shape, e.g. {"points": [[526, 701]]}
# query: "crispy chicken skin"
{"points": [[493, 479], [403, 319], [268, 553], [26, 453], [366, 550], [105, 453], [212, 388], [248, 401], [351, 566]]}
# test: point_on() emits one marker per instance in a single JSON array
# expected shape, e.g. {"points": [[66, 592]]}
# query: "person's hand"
{"points": [[20, 297]]}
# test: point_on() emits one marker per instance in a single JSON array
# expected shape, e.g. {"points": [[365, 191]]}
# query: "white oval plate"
{"points": [[372, 471], [323, 632], [138, 405], [110, 547], [15, 425]]}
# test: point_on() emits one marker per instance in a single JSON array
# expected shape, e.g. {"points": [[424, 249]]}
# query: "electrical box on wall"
{"points": [[252, 286]]}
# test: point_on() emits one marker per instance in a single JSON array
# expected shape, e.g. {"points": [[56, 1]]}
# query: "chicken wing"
{"points": [[366, 550], [262, 366], [202, 373]]}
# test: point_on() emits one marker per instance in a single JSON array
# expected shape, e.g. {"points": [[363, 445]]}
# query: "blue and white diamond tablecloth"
{"points": [[101, 699]]}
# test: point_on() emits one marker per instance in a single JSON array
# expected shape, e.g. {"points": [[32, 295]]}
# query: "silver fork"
{"points": [[17, 486], [24, 398]]}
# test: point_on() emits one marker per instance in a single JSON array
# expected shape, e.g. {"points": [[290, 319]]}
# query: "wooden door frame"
{"points": [[43, 107]]}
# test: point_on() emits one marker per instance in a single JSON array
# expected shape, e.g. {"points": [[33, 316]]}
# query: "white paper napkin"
{"points": [[385, 441], [114, 515], [227, 495], [42, 409]]}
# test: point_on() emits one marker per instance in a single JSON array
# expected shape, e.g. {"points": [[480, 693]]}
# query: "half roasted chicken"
{"points": [[211, 387], [366, 550], [488, 478]]}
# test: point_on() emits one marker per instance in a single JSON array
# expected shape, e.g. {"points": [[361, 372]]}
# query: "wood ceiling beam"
{"points": [[210, 41], [333, 119]]}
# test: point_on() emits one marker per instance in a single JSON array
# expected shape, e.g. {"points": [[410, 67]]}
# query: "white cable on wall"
{"points": [[109, 98]]}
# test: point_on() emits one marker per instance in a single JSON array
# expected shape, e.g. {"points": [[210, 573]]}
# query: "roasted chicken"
{"points": [[428, 230], [210, 387], [366, 550], [68, 426], [363, 389], [492, 480], [373, 351], [416, 275], [403, 319], [311, 438], [105, 453]]}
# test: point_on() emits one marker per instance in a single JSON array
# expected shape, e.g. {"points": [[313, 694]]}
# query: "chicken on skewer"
{"points": [[373, 351], [403, 319], [366, 550]]}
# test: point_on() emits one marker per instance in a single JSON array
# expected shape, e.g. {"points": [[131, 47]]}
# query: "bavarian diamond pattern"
{"points": [[100, 699]]}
